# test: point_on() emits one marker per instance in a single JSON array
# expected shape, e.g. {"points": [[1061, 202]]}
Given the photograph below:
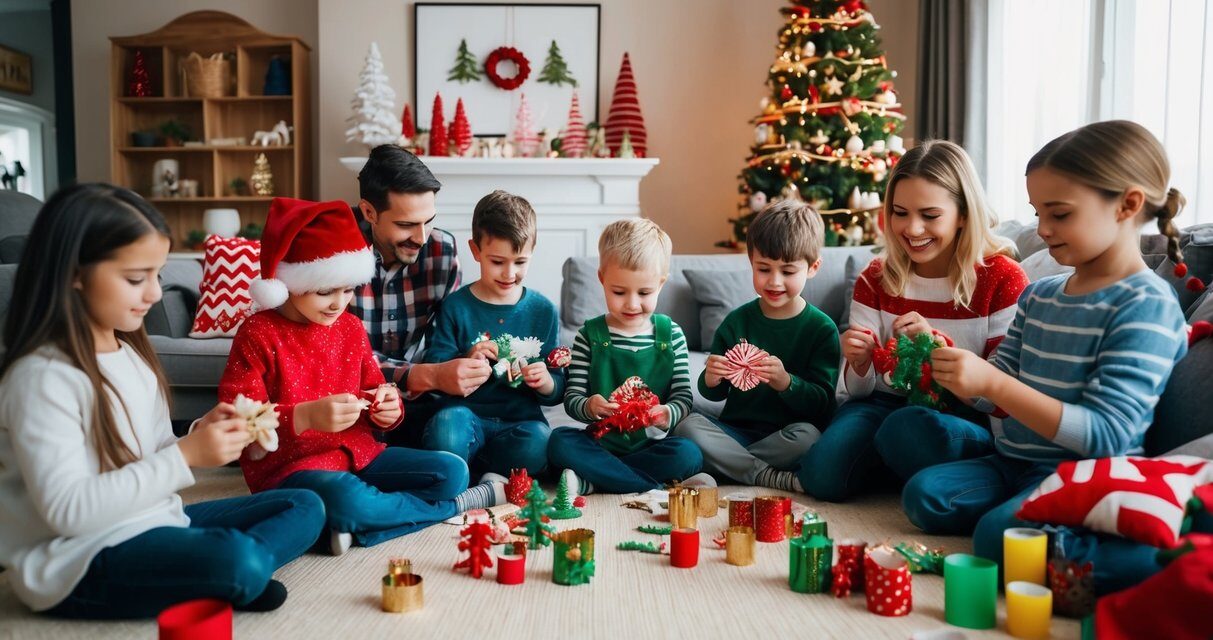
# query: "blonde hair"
{"points": [[947, 165], [1112, 157], [787, 230], [636, 244]]}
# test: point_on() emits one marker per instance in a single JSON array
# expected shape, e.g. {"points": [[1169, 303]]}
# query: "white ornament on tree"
{"points": [[854, 145], [888, 97], [877, 148], [871, 200], [374, 121], [761, 133], [834, 87], [896, 145], [809, 50], [855, 200], [757, 201], [819, 138]]}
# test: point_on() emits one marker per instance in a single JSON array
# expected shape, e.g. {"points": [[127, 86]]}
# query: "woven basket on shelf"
{"points": [[206, 77]]}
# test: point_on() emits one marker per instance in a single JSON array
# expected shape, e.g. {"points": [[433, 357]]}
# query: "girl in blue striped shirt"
{"points": [[1085, 358]]}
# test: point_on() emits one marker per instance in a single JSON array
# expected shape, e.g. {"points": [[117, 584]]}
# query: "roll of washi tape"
{"points": [[739, 546], [684, 548], [1024, 555], [1029, 609], [769, 523], [970, 591], [403, 593], [741, 511], [708, 501], [511, 568], [888, 585]]}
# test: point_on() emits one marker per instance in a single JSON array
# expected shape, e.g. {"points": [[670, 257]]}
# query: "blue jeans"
{"points": [[229, 551], [980, 496], [399, 492], [882, 431], [650, 467], [489, 443]]}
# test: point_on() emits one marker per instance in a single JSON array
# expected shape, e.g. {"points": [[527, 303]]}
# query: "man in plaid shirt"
{"points": [[415, 269]]}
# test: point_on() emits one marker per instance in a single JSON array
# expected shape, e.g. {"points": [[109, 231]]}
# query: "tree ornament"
{"points": [[833, 86], [139, 84], [814, 94], [625, 116], [887, 97], [562, 506], [854, 145], [761, 133], [809, 50], [438, 141], [574, 134], [896, 145], [785, 93], [905, 363], [461, 130], [262, 180], [466, 69], [625, 148], [757, 201], [525, 138], [533, 515], [477, 540], [518, 487], [503, 54], [819, 138], [555, 69], [1180, 270], [635, 402], [374, 119], [408, 130]]}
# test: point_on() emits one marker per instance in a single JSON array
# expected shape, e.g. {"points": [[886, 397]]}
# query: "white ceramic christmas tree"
{"points": [[374, 121], [525, 138]]}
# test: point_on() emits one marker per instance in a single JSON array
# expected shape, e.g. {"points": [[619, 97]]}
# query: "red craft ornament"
{"points": [[407, 128], [769, 521], [1195, 284], [741, 361], [851, 106], [814, 94], [511, 569], [518, 486], [635, 401], [741, 511], [502, 54], [477, 540], [438, 143], [1198, 331], [579, 502], [814, 27], [575, 139], [887, 582], [559, 358], [1181, 270], [625, 116], [140, 84], [785, 93], [461, 130]]}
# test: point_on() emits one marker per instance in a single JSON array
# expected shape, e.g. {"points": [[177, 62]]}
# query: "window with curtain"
{"points": [[1053, 66]]}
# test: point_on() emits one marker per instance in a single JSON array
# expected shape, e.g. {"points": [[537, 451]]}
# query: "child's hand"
{"points": [[386, 408], [599, 408], [537, 377], [660, 416], [715, 371], [483, 350], [214, 442], [333, 414], [771, 369], [858, 343], [463, 376], [910, 324], [964, 373]]}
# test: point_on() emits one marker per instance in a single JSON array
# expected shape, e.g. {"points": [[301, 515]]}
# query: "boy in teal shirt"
{"points": [[498, 426], [764, 431], [630, 340]]}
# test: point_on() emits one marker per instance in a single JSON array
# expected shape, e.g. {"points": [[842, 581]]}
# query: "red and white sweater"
{"points": [[978, 328], [277, 360]]}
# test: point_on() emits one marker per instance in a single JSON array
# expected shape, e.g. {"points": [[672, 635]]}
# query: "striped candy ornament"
{"points": [[230, 265], [574, 140], [625, 114]]}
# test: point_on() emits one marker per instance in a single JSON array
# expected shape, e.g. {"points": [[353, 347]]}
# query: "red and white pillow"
{"points": [[1142, 499], [230, 265]]}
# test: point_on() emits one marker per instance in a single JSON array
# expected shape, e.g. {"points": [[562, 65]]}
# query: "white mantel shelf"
{"points": [[574, 198]]}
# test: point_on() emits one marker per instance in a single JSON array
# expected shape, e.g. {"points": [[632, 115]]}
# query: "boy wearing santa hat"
{"points": [[304, 353]]}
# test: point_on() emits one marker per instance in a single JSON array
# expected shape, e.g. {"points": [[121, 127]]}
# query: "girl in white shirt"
{"points": [[91, 525]]}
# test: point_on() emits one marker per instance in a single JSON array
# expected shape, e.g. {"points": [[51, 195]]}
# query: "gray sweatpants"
{"points": [[740, 454]]}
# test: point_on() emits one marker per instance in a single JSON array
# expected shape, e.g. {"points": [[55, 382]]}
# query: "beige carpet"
{"points": [[633, 595]]}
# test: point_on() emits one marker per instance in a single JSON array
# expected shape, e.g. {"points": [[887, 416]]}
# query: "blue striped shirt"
{"points": [[1106, 355]]}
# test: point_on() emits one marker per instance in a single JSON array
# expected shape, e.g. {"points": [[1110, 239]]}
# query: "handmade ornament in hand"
{"points": [[741, 362], [513, 354], [559, 358], [905, 363], [635, 402], [261, 419]]}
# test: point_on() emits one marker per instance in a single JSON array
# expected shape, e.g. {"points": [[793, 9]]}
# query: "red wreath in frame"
{"points": [[511, 54]]}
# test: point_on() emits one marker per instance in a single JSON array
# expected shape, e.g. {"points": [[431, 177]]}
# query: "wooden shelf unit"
{"points": [[238, 114]]}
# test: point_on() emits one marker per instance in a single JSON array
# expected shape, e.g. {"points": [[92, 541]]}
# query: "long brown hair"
{"points": [[1113, 156], [79, 226]]}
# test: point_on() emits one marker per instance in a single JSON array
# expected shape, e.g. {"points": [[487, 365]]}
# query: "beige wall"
{"points": [[93, 23]]}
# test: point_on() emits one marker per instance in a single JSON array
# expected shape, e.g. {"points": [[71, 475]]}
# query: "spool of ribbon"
{"points": [[970, 591], [1029, 609], [888, 583], [511, 569], [684, 548], [573, 557], [193, 619], [769, 522], [739, 546], [708, 501], [741, 511], [1024, 555], [809, 560], [684, 508], [403, 593]]}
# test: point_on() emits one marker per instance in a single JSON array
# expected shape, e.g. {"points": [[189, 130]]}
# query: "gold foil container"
{"points": [[402, 593], [709, 501], [684, 508], [399, 566], [739, 546]]}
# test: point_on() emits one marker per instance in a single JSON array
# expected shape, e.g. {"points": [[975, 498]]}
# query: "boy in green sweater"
{"points": [[764, 431], [630, 340]]}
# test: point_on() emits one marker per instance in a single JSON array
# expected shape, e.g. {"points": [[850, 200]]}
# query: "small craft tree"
{"points": [[518, 487], [408, 130], [374, 120], [562, 506], [262, 180], [461, 130], [140, 84], [574, 140], [533, 526], [555, 69], [477, 540], [466, 68], [438, 142], [525, 138]]}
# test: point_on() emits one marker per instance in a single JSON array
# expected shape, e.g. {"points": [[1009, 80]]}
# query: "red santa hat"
{"points": [[310, 246]]}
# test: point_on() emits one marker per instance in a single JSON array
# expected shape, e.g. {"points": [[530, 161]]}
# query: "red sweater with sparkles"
{"points": [[278, 360]]}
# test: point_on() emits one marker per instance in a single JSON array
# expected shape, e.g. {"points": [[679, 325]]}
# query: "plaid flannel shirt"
{"points": [[398, 305]]}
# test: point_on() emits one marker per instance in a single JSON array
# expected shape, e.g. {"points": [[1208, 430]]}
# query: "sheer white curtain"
{"points": [[1053, 66]]}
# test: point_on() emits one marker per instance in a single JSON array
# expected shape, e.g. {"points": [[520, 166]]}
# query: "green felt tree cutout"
{"points": [[555, 69], [466, 68]]}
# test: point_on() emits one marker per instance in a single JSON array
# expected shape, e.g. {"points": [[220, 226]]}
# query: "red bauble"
{"points": [[1195, 284], [1181, 270], [841, 53], [511, 54], [814, 94], [785, 93], [814, 27]]}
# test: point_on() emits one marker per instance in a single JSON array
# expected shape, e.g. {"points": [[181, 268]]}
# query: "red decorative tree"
{"points": [[407, 128], [461, 130], [477, 540], [625, 115], [518, 486], [575, 140], [140, 84], [438, 143]]}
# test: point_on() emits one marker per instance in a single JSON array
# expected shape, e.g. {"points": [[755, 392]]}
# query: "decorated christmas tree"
{"points": [[525, 138], [438, 142], [140, 84], [574, 140], [827, 134], [562, 506], [466, 68], [374, 121], [461, 130], [262, 180], [555, 69]]}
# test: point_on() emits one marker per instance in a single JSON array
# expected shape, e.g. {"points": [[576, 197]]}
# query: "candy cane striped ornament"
{"points": [[625, 114]]}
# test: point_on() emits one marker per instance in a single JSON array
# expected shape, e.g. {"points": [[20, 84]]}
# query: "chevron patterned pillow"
{"points": [[231, 263]]}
